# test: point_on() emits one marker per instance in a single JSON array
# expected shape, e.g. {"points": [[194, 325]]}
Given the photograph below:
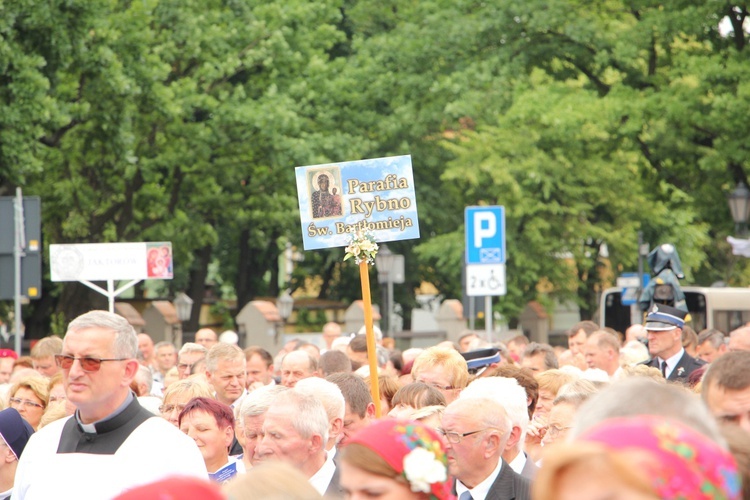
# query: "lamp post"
{"points": [[285, 305], [739, 205], [390, 268], [184, 307]]}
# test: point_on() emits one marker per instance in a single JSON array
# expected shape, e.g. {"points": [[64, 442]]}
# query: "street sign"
{"points": [[485, 235], [485, 279], [31, 260], [630, 284]]}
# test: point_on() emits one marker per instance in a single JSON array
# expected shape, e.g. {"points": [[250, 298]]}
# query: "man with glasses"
{"points": [[476, 431], [111, 443], [189, 355]]}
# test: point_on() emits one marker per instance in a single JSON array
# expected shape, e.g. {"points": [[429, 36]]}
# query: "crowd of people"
{"points": [[658, 411]]}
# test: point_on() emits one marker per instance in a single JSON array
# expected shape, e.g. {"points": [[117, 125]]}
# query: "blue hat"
{"points": [[481, 358], [662, 317], [14, 430]]}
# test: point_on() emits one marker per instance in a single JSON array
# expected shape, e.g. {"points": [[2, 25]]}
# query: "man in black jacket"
{"points": [[476, 431], [664, 325]]}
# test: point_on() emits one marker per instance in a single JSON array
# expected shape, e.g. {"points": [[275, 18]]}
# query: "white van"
{"points": [[724, 309]]}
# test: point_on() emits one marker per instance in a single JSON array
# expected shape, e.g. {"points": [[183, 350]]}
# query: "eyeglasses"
{"points": [[555, 430], [171, 408], [88, 364], [24, 402], [54, 399], [184, 366], [438, 386], [455, 437]]}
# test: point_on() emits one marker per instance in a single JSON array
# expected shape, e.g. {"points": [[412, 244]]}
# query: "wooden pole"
{"points": [[372, 357]]}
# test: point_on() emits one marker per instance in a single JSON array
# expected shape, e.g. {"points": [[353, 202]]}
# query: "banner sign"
{"points": [[111, 261], [338, 198]]}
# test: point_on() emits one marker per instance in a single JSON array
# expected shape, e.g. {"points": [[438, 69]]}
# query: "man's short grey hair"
{"points": [[188, 347], [126, 340], [327, 392], [642, 396], [163, 343], [507, 392], [576, 393], [308, 414], [715, 337], [487, 412], [258, 401], [550, 358], [382, 355], [144, 377], [223, 352]]}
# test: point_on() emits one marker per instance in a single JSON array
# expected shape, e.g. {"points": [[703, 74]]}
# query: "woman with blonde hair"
{"points": [[30, 397], [177, 396]]}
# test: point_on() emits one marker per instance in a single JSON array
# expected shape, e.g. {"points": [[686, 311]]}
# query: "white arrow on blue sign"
{"points": [[485, 235]]}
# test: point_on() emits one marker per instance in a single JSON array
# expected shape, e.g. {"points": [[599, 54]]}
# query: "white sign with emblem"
{"points": [[485, 279]]}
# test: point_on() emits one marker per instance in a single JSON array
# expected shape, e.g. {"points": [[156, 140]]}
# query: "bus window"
{"points": [[726, 321]]}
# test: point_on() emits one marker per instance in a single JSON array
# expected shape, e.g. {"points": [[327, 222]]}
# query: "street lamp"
{"points": [[390, 268], [184, 307], [285, 305], [739, 205]]}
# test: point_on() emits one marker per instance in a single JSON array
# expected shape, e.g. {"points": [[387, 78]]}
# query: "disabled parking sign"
{"points": [[485, 251]]}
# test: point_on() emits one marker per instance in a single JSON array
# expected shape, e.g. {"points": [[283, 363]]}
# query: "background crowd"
{"points": [[658, 411]]}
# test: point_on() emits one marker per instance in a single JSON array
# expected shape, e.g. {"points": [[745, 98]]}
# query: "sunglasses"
{"points": [[88, 364]]}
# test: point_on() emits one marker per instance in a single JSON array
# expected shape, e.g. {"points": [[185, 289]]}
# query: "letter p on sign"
{"points": [[485, 235]]}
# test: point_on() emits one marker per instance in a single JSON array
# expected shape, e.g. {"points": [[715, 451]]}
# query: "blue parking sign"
{"points": [[485, 235]]}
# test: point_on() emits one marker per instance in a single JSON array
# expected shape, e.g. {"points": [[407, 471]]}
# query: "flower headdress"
{"points": [[413, 450]]}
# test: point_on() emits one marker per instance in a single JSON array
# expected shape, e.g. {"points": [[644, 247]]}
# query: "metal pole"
{"points": [[390, 304], [20, 239], [384, 312], [488, 317], [472, 313]]}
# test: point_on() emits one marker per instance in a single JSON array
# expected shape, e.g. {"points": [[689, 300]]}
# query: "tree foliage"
{"points": [[182, 121]]}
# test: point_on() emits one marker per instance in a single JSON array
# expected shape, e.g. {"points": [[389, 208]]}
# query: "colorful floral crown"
{"points": [[413, 450]]}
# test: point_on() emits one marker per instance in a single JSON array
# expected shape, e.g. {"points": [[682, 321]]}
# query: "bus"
{"points": [[724, 309]]}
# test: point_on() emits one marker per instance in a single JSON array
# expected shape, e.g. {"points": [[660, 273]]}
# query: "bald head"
{"points": [[739, 339], [297, 365]]}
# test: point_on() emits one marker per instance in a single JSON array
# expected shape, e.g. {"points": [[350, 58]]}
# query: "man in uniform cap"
{"points": [[14, 433], [664, 325]]}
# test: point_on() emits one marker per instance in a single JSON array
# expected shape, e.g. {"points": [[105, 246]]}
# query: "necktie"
{"points": [[466, 495], [664, 368]]}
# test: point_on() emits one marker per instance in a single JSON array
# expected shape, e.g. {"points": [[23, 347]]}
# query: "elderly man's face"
{"points": [[46, 366], [664, 344], [146, 346], [228, 380], [187, 360], [730, 406], [96, 393], [281, 441], [464, 456], [708, 353], [559, 423], [253, 433], [166, 358], [206, 338], [295, 367], [535, 363]]}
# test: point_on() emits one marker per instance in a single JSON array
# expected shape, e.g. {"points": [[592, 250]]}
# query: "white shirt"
{"points": [[671, 362], [518, 463], [479, 492], [321, 479]]}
